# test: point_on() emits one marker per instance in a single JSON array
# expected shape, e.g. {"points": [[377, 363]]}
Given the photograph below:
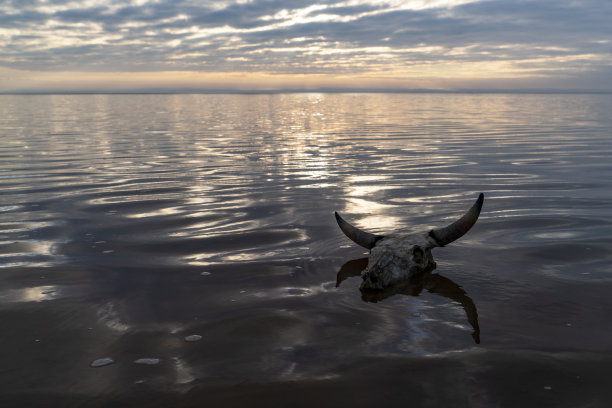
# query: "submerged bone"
{"points": [[398, 256]]}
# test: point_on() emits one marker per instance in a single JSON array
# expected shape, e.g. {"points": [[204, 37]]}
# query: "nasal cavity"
{"points": [[371, 277]]}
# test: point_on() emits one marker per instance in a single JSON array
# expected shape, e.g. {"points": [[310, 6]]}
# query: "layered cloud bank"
{"points": [[272, 44]]}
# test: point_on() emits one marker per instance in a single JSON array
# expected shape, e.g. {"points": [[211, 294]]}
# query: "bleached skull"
{"points": [[396, 257]]}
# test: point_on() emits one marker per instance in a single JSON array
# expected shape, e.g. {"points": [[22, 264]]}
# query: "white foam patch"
{"points": [[101, 362], [193, 337]]}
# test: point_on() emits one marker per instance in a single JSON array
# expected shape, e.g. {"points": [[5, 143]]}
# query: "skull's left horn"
{"points": [[446, 235], [362, 238]]}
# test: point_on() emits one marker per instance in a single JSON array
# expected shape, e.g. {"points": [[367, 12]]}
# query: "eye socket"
{"points": [[417, 254]]}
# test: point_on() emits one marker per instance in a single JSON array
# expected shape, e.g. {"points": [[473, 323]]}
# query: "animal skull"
{"points": [[396, 257]]}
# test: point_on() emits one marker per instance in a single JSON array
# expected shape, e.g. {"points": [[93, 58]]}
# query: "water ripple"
{"points": [[213, 214]]}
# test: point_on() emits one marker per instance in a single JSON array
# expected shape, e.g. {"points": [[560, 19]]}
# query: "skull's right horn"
{"points": [[446, 235]]}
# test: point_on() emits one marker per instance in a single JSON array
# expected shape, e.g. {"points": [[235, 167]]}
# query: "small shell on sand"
{"points": [[147, 361], [101, 362], [193, 337]]}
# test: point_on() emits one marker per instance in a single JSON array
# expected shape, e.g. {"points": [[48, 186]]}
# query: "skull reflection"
{"points": [[401, 262], [414, 286]]}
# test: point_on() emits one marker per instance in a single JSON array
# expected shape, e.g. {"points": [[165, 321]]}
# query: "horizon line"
{"points": [[161, 91]]}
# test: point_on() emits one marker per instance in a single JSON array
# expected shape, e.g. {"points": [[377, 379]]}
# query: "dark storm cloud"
{"points": [[294, 37]]}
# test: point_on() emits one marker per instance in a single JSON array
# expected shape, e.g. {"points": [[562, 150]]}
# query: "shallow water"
{"points": [[197, 231]]}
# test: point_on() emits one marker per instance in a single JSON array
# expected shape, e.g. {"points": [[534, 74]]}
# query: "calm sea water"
{"points": [[129, 223]]}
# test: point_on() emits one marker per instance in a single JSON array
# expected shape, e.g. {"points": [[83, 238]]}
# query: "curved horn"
{"points": [[446, 235], [365, 239]]}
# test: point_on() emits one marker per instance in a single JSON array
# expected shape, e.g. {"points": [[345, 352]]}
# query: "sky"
{"points": [[112, 45]]}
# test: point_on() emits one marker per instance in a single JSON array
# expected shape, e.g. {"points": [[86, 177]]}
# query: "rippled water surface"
{"points": [[170, 250]]}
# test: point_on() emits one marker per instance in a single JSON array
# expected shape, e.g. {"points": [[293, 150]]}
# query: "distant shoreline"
{"points": [[295, 91]]}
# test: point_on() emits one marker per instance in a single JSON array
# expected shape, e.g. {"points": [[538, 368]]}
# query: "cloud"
{"points": [[413, 38]]}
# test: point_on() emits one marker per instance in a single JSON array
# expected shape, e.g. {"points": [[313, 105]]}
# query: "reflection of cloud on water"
{"points": [[378, 218], [110, 317], [293, 363], [380, 223], [183, 373], [26, 226], [30, 252], [278, 244], [32, 294], [157, 213]]}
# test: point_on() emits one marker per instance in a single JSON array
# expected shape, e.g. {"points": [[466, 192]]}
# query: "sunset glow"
{"points": [[107, 45]]}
